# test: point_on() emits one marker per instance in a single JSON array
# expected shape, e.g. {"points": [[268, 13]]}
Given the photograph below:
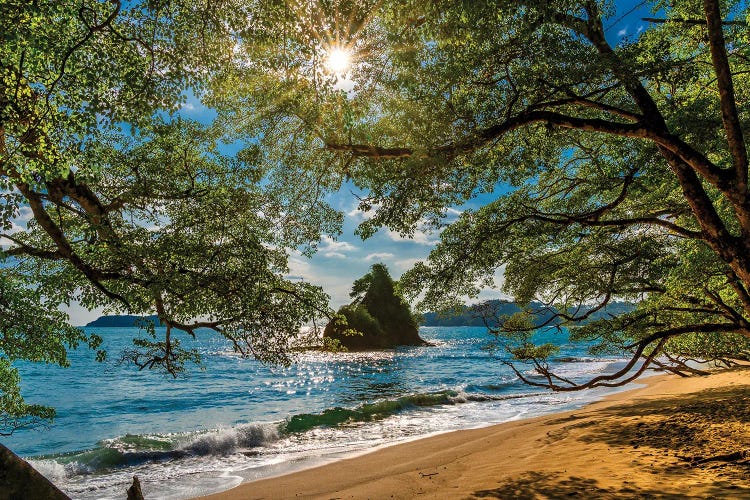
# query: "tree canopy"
{"points": [[618, 166], [133, 208], [626, 161]]}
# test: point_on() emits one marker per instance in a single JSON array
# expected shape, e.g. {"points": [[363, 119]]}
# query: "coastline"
{"points": [[250, 421], [674, 438]]}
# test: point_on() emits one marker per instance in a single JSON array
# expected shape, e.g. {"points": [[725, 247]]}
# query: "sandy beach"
{"points": [[674, 438]]}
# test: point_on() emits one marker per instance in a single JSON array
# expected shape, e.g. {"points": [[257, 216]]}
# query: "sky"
{"points": [[341, 260]]}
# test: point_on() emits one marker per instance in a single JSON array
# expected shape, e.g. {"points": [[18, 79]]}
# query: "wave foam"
{"points": [[229, 441], [135, 450]]}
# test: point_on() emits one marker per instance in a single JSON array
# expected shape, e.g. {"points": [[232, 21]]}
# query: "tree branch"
{"points": [[694, 22], [601, 380], [24, 249], [729, 114], [95, 276], [369, 151]]}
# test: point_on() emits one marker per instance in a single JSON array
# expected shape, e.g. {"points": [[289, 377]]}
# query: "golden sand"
{"points": [[675, 438]]}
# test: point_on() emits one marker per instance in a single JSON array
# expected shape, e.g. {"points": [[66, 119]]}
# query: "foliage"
{"points": [[390, 309], [133, 208], [604, 169], [627, 163], [332, 345], [31, 329], [378, 316], [359, 319]]}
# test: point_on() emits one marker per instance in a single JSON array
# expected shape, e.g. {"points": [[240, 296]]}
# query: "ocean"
{"points": [[237, 419]]}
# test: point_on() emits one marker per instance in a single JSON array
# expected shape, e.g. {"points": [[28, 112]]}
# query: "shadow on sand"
{"points": [[536, 485], [705, 434]]}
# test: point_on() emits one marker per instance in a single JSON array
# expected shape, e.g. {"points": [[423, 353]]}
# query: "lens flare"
{"points": [[338, 60]]}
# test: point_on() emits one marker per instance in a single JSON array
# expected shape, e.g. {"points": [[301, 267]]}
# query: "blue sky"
{"points": [[342, 260]]}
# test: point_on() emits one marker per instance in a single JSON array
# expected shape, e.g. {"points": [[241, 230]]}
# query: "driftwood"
{"points": [[134, 492], [736, 456]]}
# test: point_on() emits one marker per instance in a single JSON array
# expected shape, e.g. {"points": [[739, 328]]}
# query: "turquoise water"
{"points": [[240, 420]]}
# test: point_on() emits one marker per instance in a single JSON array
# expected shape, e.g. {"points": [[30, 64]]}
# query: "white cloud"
{"points": [[379, 256], [451, 215], [420, 237], [25, 214], [490, 294], [361, 215], [17, 225], [195, 109], [495, 291], [298, 265], [80, 315], [328, 244], [337, 287], [346, 84], [334, 278], [14, 228], [406, 264], [335, 255], [623, 31]]}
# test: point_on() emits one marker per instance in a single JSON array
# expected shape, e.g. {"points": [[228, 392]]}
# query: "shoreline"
{"points": [[673, 437]]}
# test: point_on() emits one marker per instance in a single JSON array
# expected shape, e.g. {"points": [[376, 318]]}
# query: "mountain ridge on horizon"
{"points": [[467, 317], [122, 321], [464, 318]]}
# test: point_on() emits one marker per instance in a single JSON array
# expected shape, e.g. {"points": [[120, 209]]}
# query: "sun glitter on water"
{"points": [[338, 60]]}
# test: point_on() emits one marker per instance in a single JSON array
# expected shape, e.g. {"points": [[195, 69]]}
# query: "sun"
{"points": [[338, 60]]}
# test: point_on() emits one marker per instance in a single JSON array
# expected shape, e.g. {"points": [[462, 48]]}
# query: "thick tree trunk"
{"points": [[20, 481]]}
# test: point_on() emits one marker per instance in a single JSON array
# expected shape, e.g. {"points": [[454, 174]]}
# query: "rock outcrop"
{"points": [[380, 317]]}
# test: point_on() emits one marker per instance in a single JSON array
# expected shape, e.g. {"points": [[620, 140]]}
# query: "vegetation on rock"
{"points": [[377, 318]]}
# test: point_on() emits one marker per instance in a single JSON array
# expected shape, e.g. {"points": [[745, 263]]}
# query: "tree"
{"points": [[134, 208], [378, 315], [32, 329], [627, 164]]}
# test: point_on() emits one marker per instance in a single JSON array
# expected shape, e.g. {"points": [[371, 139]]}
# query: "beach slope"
{"points": [[675, 438]]}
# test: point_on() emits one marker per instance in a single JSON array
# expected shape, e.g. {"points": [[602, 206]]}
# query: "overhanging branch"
{"points": [[616, 379], [692, 22], [729, 113]]}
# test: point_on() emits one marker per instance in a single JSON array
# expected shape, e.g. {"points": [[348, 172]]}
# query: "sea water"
{"points": [[236, 419]]}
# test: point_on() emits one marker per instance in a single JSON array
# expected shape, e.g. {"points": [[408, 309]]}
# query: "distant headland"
{"points": [[123, 321], [467, 316]]}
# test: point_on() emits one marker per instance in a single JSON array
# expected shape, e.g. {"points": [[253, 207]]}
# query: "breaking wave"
{"points": [[134, 450]]}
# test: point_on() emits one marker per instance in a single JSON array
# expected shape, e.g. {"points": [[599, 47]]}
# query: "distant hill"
{"points": [[466, 317], [469, 318], [122, 321]]}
